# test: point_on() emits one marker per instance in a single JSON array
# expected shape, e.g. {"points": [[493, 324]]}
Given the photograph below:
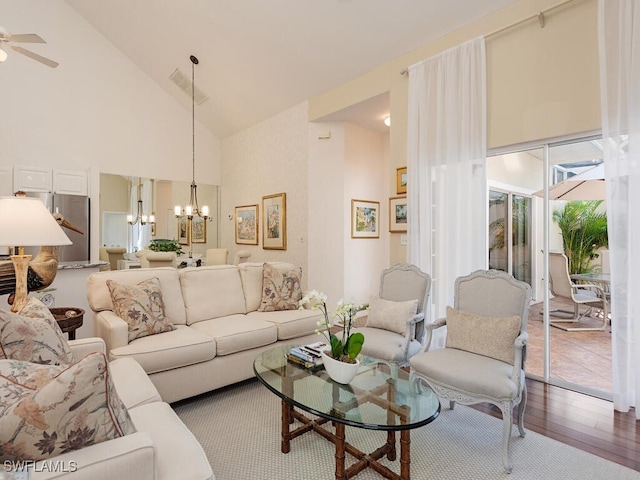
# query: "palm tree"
{"points": [[584, 231]]}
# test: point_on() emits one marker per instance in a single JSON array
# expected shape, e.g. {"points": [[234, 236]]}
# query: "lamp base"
{"points": [[21, 267]]}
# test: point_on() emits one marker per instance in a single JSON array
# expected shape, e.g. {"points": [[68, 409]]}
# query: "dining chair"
{"points": [[216, 256]]}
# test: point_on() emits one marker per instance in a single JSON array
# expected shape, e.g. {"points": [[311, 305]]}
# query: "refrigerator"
{"points": [[75, 209]]}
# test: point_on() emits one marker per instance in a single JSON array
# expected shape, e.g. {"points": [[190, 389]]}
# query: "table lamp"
{"points": [[26, 222]]}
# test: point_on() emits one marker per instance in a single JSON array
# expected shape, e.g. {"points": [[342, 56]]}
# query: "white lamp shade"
{"points": [[26, 222], [3, 55]]}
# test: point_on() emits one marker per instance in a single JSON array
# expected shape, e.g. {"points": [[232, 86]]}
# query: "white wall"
{"points": [[365, 179], [348, 165], [96, 110], [265, 159], [327, 211]]}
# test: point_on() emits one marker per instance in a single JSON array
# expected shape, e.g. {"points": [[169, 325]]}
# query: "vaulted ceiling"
{"points": [[261, 57]]}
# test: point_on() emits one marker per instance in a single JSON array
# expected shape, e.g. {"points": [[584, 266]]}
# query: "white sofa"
{"points": [[161, 448], [219, 331]]}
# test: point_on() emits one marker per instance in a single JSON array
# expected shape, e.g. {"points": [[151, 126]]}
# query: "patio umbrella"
{"points": [[588, 185]]}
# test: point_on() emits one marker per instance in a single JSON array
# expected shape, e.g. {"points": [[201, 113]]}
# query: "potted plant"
{"points": [[340, 359], [165, 245]]}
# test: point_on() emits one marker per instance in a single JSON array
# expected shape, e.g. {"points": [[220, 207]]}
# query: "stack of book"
{"points": [[307, 356]]}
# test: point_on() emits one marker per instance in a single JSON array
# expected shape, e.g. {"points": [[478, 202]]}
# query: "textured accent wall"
{"points": [[268, 158]]}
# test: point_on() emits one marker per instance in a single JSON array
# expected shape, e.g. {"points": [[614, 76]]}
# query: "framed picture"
{"points": [[247, 225], [365, 219], [401, 180], [274, 222], [183, 230], [398, 214], [198, 230]]}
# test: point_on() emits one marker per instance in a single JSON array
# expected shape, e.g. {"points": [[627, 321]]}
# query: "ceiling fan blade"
{"points": [[27, 38], [35, 56]]}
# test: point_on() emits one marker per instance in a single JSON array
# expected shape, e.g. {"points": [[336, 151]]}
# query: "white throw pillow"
{"points": [[390, 315]]}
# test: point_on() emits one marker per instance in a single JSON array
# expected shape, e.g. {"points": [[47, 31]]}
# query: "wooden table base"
{"points": [[289, 414]]}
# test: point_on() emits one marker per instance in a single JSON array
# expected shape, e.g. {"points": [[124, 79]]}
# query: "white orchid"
{"points": [[347, 348]]}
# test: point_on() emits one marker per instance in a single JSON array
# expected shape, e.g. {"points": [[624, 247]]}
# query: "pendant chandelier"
{"points": [[140, 216], [192, 209]]}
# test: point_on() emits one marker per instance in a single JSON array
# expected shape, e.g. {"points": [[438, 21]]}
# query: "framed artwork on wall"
{"points": [[365, 219], [247, 225], [198, 230], [398, 214], [274, 222], [183, 230], [401, 180]]}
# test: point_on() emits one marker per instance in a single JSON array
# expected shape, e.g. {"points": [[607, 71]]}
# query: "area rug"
{"points": [[239, 429]]}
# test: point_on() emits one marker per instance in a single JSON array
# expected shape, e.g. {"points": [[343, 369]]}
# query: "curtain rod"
{"points": [[540, 16]]}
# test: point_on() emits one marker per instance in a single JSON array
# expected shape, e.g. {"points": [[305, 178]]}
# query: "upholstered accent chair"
{"points": [[216, 256], [394, 328], [588, 295], [484, 354]]}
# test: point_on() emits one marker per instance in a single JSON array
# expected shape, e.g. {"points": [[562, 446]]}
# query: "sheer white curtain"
{"points": [[446, 177], [619, 35]]}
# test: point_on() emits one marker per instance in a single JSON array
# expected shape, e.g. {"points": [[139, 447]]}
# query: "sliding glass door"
{"points": [[524, 226], [510, 233]]}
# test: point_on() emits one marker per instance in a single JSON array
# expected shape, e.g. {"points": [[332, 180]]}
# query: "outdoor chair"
{"points": [[394, 328], [589, 295], [484, 353]]}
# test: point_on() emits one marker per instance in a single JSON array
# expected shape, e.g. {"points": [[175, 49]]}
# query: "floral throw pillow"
{"points": [[141, 306], [46, 416], [281, 290], [33, 335]]}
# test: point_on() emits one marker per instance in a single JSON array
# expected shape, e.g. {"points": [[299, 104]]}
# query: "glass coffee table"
{"points": [[378, 398]]}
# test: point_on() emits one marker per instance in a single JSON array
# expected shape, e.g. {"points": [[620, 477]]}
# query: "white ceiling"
{"points": [[261, 57]]}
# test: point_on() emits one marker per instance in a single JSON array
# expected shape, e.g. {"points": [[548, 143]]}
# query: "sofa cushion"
{"points": [[178, 348], [251, 276], [291, 323], [77, 407], [491, 337], [281, 289], [99, 296], [33, 335], [236, 333], [390, 315], [211, 292], [141, 306]]}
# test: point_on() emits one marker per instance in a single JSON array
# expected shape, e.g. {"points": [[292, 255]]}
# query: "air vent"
{"points": [[184, 83]]}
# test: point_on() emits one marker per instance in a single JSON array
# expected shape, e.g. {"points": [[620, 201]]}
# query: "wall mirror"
{"points": [[125, 199]]}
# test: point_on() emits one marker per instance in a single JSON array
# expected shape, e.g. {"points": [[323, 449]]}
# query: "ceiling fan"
{"points": [[6, 37]]}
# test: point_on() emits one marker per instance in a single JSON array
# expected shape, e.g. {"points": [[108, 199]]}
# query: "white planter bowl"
{"points": [[338, 371]]}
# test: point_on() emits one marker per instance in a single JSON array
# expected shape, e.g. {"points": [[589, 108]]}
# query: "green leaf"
{"points": [[354, 345], [336, 346]]}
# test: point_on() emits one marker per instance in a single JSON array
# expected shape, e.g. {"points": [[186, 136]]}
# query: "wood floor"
{"points": [[582, 421]]}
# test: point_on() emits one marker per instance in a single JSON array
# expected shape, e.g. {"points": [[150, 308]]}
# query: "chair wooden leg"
{"points": [[506, 436], [521, 406]]}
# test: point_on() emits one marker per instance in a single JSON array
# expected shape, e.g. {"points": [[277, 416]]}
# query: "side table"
{"points": [[69, 319]]}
